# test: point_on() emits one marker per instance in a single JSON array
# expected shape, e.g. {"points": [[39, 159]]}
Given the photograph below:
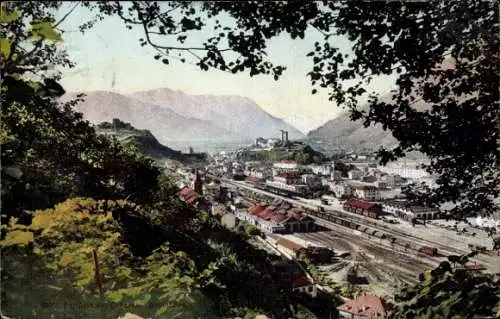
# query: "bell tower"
{"points": [[198, 183]]}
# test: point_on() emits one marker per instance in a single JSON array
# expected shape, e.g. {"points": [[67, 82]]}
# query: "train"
{"points": [[408, 246]]}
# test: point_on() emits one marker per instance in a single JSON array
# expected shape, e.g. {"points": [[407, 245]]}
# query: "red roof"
{"points": [[288, 244], [193, 200], [288, 161], [255, 209], [299, 281], [186, 190], [369, 306], [363, 204]]}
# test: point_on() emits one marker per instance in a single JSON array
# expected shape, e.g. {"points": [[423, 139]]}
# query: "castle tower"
{"points": [[198, 183]]}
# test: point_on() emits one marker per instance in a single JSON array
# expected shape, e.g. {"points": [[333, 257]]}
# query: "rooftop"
{"points": [[367, 305], [289, 244], [363, 204]]}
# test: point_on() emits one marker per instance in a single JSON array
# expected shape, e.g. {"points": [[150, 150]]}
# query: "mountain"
{"points": [[341, 132], [174, 116], [234, 113], [167, 125]]}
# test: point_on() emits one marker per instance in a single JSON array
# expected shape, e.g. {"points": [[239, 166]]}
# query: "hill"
{"points": [[143, 140]]}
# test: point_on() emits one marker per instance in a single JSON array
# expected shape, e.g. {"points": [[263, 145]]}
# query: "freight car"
{"points": [[428, 250]]}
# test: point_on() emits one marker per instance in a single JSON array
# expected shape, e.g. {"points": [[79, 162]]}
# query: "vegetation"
{"points": [[160, 258], [303, 155], [71, 198]]}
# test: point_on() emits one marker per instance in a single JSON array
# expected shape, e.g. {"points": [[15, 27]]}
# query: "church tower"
{"points": [[198, 183]]}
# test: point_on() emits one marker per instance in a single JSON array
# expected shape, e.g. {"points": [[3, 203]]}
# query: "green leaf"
{"points": [[161, 311], [44, 30], [143, 301], [7, 17], [5, 47], [115, 296]]}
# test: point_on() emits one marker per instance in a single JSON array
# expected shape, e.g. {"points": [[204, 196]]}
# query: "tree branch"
{"points": [[67, 14]]}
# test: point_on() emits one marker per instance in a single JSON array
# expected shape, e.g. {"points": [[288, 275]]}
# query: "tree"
{"points": [[445, 54], [449, 293]]}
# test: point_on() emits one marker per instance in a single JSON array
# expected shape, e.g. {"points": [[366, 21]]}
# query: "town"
{"points": [[347, 217]]}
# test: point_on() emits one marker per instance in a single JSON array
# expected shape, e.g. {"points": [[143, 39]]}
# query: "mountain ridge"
{"points": [[172, 115]]}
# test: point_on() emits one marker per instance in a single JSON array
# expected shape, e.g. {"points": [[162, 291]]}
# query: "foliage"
{"points": [[61, 255], [57, 151], [449, 293]]}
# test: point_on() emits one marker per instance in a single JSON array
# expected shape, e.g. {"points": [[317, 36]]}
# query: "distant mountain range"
{"points": [[177, 116]]}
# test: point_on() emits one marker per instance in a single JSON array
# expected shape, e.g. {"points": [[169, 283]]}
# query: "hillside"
{"points": [[234, 113], [143, 140], [341, 132]]}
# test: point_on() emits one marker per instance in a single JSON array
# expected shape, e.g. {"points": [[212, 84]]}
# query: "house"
{"points": [[365, 191], [362, 207], [289, 181], [303, 284], [323, 170], [355, 174], [269, 220], [364, 306], [406, 211], [289, 247], [341, 190], [192, 198]]}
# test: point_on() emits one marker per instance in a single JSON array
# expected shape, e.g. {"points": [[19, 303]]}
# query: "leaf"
{"points": [[44, 30], [161, 311], [143, 301], [7, 17], [114, 296], [5, 46]]}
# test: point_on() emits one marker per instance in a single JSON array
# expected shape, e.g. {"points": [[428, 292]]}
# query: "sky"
{"points": [[109, 57]]}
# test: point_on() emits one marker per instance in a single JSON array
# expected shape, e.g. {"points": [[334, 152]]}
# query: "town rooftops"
{"points": [[363, 204], [367, 305]]}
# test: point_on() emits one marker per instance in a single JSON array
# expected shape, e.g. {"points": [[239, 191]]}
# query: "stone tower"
{"points": [[198, 183]]}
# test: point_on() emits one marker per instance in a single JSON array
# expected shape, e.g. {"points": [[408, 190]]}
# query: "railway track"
{"points": [[355, 219]]}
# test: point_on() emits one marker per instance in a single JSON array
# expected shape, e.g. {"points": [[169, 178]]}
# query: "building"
{"points": [[363, 307], [365, 191], [341, 190], [289, 247], [355, 174], [336, 175], [312, 181], [303, 284], [362, 207], [323, 170], [406, 211], [269, 220], [192, 198], [198, 183], [288, 181]]}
